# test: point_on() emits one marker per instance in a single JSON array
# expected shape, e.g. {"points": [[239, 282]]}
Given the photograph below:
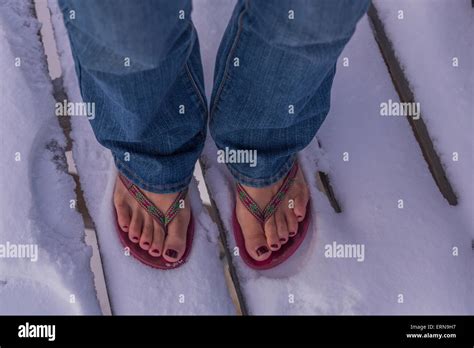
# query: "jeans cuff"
{"points": [[262, 182], [155, 188]]}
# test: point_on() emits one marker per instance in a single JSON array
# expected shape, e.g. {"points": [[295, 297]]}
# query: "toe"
{"points": [[123, 215], [256, 243], [254, 236], [301, 202], [282, 227], [292, 223], [136, 226], [175, 241], [122, 207], [158, 238], [147, 232], [271, 233]]}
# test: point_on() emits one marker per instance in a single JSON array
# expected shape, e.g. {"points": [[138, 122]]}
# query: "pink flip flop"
{"points": [[163, 219], [287, 249]]}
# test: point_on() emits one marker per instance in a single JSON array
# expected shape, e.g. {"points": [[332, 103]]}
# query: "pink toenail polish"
{"points": [[274, 246], [171, 253], [262, 250]]}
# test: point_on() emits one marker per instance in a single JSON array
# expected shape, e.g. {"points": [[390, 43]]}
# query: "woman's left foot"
{"points": [[281, 226]]}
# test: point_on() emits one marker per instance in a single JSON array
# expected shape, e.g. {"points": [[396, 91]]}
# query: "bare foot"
{"points": [[143, 229], [278, 228]]}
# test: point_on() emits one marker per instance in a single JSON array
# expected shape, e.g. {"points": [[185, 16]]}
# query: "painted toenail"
{"points": [[146, 243], [274, 246], [171, 253], [262, 250], [155, 251], [135, 238], [282, 239], [124, 227], [292, 234]]}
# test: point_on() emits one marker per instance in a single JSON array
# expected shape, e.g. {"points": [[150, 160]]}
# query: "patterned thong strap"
{"points": [[265, 214], [164, 219]]}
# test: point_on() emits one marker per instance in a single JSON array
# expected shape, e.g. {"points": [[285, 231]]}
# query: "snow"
{"points": [[428, 38], [408, 251], [198, 287], [35, 198]]}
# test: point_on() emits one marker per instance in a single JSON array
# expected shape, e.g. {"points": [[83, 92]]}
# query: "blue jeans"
{"points": [[139, 62]]}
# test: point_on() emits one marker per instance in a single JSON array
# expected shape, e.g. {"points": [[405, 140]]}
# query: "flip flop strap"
{"points": [[250, 204], [272, 206], [164, 219]]}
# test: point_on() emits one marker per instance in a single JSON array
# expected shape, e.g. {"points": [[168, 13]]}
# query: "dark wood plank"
{"points": [[406, 95]]}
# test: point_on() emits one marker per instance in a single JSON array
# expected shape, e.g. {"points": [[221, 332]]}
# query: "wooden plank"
{"points": [[406, 95], [234, 283], [327, 188], [324, 184], [42, 13]]}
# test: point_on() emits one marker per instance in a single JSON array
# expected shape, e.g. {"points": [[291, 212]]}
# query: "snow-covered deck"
{"points": [[417, 248]]}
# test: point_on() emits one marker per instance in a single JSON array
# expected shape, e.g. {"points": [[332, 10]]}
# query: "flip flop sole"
{"points": [[156, 262], [279, 256]]}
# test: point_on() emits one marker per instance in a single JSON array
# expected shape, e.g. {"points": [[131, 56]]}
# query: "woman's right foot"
{"points": [[281, 226], [145, 231]]}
